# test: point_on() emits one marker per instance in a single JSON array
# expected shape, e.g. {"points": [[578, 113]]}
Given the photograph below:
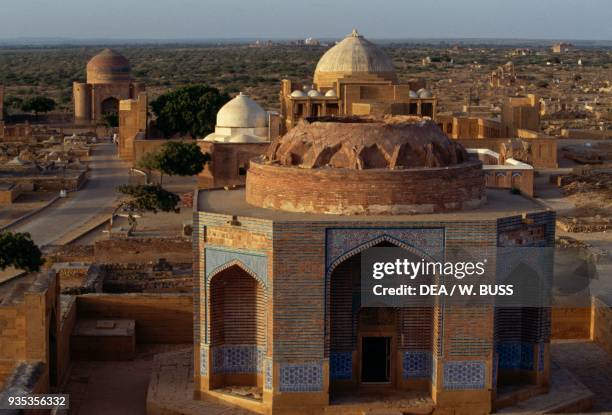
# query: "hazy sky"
{"points": [[542, 19]]}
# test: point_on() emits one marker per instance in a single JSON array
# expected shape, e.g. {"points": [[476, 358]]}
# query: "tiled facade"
{"points": [[295, 260]]}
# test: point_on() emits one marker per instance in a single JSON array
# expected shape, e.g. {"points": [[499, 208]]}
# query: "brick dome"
{"points": [[397, 165], [400, 142], [108, 66]]}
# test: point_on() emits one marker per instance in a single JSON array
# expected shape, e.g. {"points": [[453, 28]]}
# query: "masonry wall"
{"points": [[571, 323], [602, 323], [142, 250], [375, 191], [66, 326], [160, 318]]}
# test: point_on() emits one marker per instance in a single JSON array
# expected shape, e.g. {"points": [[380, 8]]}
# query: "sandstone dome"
{"points": [[108, 66], [354, 55], [401, 142], [241, 120], [242, 112], [365, 166]]}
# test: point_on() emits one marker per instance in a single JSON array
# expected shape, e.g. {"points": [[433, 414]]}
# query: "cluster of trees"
{"points": [[37, 104], [188, 110]]}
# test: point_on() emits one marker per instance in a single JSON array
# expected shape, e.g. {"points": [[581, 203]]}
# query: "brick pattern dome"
{"points": [[357, 166], [360, 143], [108, 66]]}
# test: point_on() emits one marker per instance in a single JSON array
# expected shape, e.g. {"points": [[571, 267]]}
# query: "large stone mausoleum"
{"points": [[109, 81], [278, 304]]}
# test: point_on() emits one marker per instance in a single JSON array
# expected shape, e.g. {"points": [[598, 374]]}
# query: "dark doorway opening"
{"points": [[376, 359]]}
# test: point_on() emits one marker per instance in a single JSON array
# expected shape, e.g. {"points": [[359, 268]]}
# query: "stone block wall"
{"points": [[160, 318], [142, 250], [571, 323], [602, 323], [374, 191]]}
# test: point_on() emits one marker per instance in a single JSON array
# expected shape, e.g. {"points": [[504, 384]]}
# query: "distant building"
{"points": [[243, 131], [108, 81], [562, 47], [355, 77], [311, 42], [503, 76]]}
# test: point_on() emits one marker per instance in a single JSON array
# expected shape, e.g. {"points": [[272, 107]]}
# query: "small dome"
{"points": [[330, 93], [108, 66], [355, 54], [242, 112], [413, 94], [424, 93], [314, 93], [298, 94]]}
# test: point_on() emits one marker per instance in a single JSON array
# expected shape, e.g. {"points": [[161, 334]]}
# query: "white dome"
{"points": [[242, 112], [413, 94], [424, 93], [330, 93], [298, 94], [314, 93], [355, 54]]}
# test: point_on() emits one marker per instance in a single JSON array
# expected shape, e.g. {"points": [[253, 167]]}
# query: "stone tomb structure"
{"points": [[243, 131], [109, 80], [355, 77], [277, 297]]}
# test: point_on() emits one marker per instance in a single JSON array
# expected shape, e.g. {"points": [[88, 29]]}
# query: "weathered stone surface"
{"points": [[401, 142]]}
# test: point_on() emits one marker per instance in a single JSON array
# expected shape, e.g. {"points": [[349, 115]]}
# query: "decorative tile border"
{"points": [[343, 243], [237, 359], [469, 374], [268, 369], [341, 365], [203, 360], [218, 259], [307, 377], [416, 364], [541, 356]]}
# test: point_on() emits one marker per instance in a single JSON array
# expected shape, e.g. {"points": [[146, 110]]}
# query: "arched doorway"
{"points": [[110, 106], [237, 328], [374, 347]]}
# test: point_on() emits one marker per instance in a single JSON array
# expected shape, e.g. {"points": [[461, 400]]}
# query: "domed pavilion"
{"points": [[108, 82], [354, 77]]}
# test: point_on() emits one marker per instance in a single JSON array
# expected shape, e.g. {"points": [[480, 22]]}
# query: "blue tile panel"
{"points": [[341, 365], [515, 355], [307, 377], [203, 360], [218, 259], [237, 359], [541, 357], [416, 364], [468, 374], [269, 368]]}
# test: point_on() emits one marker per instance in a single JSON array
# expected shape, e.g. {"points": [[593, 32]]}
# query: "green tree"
{"points": [[149, 162], [111, 119], [152, 198], [188, 110], [18, 250], [38, 104], [179, 158]]}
